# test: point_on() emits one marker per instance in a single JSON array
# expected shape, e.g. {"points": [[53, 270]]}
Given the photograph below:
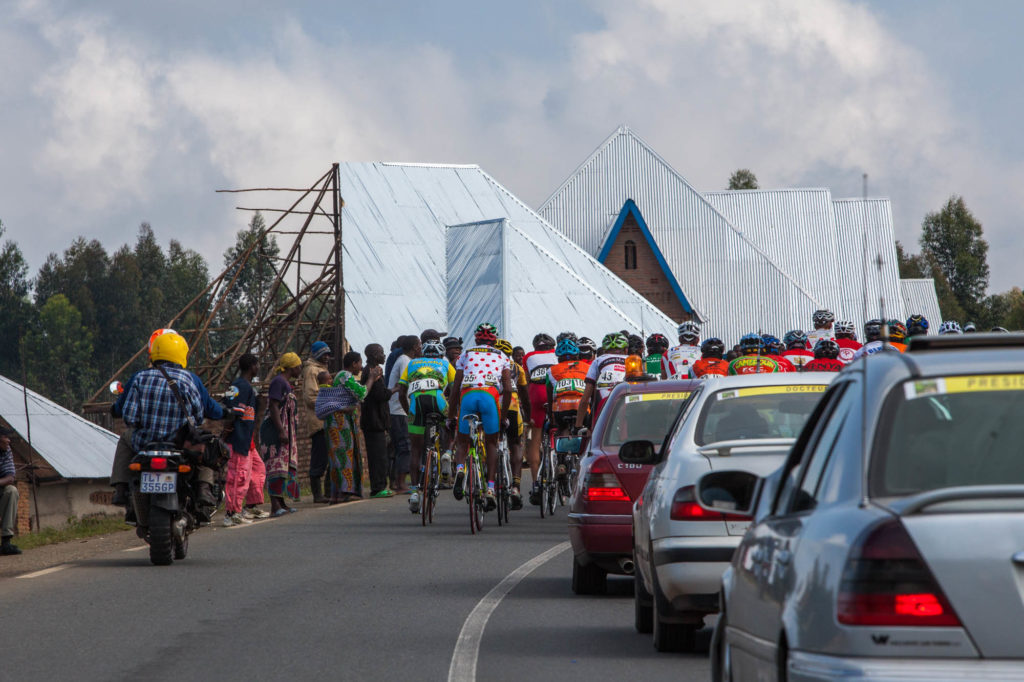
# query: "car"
{"points": [[890, 543], [600, 511], [680, 550]]}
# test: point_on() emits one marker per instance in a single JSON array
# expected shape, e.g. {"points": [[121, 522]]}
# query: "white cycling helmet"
{"points": [[950, 327]]}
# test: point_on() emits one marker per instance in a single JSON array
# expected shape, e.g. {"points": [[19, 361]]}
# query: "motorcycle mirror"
{"points": [[116, 388]]}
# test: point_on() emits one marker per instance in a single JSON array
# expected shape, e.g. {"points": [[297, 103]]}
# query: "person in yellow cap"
{"points": [[279, 435]]}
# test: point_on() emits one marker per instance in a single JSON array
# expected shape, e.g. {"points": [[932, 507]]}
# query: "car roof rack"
{"points": [[965, 341]]}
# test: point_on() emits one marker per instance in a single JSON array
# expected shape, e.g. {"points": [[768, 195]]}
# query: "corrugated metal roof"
{"points": [[395, 253], [73, 446], [746, 260], [919, 298]]}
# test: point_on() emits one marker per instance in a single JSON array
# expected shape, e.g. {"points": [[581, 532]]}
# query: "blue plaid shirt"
{"points": [[6, 463], [152, 410]]}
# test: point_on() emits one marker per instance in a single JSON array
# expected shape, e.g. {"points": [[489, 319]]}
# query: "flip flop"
{"points": [[280, 512], [382, 494]]}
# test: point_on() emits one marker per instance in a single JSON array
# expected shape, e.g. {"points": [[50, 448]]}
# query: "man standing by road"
{"points": [[411, 348], [375, 420], [8, 494], [320, 355]]}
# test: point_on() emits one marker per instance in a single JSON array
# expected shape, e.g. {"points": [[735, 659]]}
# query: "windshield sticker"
{"points": [[965, 384], [771, 390], [642, 397]]}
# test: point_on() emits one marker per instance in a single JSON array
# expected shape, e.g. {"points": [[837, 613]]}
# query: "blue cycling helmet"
{"points": [[917, 325], [772, 344], [795, 338], [567, 348], [751, 343]]}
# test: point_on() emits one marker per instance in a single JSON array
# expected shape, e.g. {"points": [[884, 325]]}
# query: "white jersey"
{"points": [[607, 371], [870, 348], [683, 358], [817, 335]]}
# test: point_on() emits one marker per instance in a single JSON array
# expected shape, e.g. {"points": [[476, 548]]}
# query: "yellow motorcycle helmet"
{"points": [[170, 347]]}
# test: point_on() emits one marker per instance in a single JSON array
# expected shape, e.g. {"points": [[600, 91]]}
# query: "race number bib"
{"points": [[481, 379], [569, 385], [420, 385], [611, 376], [539, 374]]}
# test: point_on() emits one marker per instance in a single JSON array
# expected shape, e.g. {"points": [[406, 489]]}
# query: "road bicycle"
{"points": [[503, 481], [568, 448], [474, 487], [547, 474], [431, 469]]}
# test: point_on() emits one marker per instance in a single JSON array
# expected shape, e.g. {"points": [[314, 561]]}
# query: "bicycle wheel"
{"points": [[470, 489], [552, 485], [478, 499], [435, 474], [426, 500], [501, 490]]}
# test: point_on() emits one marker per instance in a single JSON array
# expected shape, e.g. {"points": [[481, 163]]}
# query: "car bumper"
{"points": [[601, 539], [689, 570], [805, 667]]}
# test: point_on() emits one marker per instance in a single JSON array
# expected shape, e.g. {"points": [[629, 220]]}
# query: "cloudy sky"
{"points": [[118, 112]]}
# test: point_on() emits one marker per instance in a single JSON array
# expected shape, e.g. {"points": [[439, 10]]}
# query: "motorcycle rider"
{"points": [[683, 356]]}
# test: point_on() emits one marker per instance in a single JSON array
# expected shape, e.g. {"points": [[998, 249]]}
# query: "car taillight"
{"points": [[602, 485], [685, 508], [886, 582], [158, 463]]}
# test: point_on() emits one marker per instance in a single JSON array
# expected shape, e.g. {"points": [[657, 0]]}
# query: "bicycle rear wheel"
{"points": [[501, 491], [426, 499], [470, 489], [478, 498], [552, 485]]}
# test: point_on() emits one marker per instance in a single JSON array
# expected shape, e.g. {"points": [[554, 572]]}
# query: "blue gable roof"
{"points": [[630, 208]]}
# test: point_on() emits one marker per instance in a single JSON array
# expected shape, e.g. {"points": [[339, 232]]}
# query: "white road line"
{"points": [[136, 549], [45, 571], [467, 648]]}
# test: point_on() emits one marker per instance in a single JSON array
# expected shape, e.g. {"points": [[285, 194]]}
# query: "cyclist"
{"points": [[826, 357], [897, 335], [969, 328], [822, 320], [656, 361], [604, 374], [797, 351], [421, 394], [1000, 330], [753, 360], [588, 349], [872, 339], [917, 325], [846, 339], [483, 376], [537, 363], [773, 349], [683, 356], [517, 417], [950, 327], [711, 363], [566, 386], [634, 345]]}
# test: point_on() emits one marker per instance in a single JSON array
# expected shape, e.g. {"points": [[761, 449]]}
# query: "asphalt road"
{"points": [[357, 591]]}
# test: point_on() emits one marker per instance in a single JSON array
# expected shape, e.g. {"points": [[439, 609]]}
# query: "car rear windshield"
{"points": [[757, 412], [950, 431], [642, 416]]}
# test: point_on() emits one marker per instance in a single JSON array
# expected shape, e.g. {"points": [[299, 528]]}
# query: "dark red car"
{"points": [[601, 506]]}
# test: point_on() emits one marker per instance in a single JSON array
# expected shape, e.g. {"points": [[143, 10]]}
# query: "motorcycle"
{"points": [[164, 489]]}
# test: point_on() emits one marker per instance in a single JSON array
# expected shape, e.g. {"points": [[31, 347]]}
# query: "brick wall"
{"points": [[647, 278], [24, 507]]}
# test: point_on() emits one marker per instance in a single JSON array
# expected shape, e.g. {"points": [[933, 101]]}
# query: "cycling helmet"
{"points": [[587, 346], [712, 348], [635, 344], [567, 348], [453, 342], [689, 331], [1001, 330], [950, 327], [169, 346], [504, 346], [615, 341], [543, 341], [486, 333], [795, 338], [897, 331], [657, 343], [567, 335], [873, 330], [845, 329], [969, 328], [823, 318], [772, 345], [917, 325], [826, 348], [751, 343], [158, 332], [433, 349]]}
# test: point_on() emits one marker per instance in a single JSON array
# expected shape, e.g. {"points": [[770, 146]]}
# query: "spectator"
{"points": [[453, 349], [278, 435], [8, 495], [375, 420], [320, 355], [396, 352], [246, 471], [338, 404], [411, 347]]}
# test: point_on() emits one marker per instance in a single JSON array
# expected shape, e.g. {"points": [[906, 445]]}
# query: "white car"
{"points": [[680, 550]]}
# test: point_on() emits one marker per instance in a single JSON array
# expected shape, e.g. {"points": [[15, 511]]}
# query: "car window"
{"points": [[940, 432], [805, 495], [804, 445], [642, 416], [778, 411], [687, 407]]}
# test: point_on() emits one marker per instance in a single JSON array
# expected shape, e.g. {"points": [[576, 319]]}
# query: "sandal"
{"points": [[280, 512], [382, 494]]}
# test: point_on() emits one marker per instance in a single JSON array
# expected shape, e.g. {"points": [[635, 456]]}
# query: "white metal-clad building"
{"points": [[919, 299], [406, 269]]}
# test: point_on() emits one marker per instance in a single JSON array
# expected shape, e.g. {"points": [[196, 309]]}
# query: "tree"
{"points": [[952, 241], [910, 267], [922, 265], [15, 307], [744, 178], [58, 354]]}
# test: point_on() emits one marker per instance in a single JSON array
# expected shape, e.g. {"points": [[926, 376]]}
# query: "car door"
{"points": [[764, 563]]}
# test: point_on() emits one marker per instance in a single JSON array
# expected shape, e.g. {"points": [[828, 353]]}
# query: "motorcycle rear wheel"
{"points": [[160, 537]]}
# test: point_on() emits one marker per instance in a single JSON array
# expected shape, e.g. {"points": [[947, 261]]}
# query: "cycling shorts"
{"points": [[422, 406], [538, 398], [484, 404], [515, 428]]}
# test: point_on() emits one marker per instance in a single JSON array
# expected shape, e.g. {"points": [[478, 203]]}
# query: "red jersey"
{"points": [[753, 364], [823, 365], [798, 357], [784, 364], [847, 348], [710, 367], [537, 363]]}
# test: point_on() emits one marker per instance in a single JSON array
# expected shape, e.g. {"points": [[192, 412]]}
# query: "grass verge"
{"points": [[77, 529]]}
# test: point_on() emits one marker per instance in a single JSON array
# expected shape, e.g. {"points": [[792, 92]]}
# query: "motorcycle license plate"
{"points": [[153, 482]]}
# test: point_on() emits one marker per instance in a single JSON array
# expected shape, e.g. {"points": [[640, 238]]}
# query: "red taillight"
{"points": [[158, 463], [887, 583], [602, 485], [685, 508]]}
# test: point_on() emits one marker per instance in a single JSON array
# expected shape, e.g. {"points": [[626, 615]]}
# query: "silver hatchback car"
{"points": [[890, 544], [680, 550]]}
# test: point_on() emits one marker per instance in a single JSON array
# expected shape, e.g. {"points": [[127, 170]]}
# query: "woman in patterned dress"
{"points": [[279, 435]]}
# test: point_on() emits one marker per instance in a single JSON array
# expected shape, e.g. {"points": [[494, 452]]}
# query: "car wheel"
{"points": [[589, 579], [721, 653], [643, 606], [673, 637]]}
